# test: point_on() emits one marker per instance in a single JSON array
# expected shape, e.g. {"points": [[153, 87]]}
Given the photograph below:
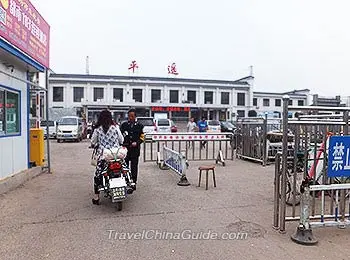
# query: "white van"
{"points": [[52, 128], [163, 125], [214, 126], [69, 128], [148, 124]]}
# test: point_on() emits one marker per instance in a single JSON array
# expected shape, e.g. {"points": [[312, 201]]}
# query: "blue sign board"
{"points": [[339, 156], [175, 164]]}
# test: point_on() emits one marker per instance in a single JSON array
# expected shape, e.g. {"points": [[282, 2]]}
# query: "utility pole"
{"points": [[251, 71], [87, 66]]}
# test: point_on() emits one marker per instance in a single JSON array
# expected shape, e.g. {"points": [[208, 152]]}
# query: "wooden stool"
{"points": [[207, 169]]}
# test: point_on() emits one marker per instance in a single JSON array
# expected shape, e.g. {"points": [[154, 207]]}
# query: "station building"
{"points": [[177, 97]]}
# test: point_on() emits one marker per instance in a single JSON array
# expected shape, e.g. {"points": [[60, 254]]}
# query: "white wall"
{"points": [[165, 90], [260, 108], [14, 150]]}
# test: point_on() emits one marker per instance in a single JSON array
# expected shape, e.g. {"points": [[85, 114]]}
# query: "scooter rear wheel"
{"points": [[119, 205]]}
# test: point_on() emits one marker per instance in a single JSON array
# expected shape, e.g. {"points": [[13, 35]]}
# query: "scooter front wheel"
{"points": [[119, 205]]}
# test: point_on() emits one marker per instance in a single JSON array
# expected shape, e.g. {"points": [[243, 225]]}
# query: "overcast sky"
{"points": [[291, 44]]}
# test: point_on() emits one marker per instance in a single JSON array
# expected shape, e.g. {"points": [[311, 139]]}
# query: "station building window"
{"points": [[57, 94]]}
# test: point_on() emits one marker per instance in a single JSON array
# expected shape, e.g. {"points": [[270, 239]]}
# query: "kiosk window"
{"points": [[9, 112]]}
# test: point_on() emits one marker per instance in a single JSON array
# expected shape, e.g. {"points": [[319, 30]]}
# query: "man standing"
{"points": [[203, 127], [191, 127], [133, 137]]}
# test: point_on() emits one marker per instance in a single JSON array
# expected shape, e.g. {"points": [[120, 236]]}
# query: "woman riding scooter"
{"points": [[105, 136]]}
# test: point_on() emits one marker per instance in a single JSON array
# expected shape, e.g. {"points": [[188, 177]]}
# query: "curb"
{"points": [[12, 182]]}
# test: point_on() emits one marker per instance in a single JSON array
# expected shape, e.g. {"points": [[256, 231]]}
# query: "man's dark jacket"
{"points": [[133, 132]]}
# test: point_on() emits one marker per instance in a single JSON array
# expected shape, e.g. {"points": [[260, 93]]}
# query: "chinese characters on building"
{"points": [[172, 109], [172, 69], [22, 26], [133, 66], [29, 23]]}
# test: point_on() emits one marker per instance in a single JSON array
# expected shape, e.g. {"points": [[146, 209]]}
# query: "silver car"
{"points": [[69, 128], [52, 128]]}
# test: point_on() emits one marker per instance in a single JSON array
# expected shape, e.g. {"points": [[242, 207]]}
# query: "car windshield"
{"points": [[145, 121], [68, 121], [43, 123], [213, 122], [163, 122]]}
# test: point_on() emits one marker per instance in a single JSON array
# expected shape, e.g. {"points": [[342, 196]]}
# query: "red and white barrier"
{"points": [[189, 137]]}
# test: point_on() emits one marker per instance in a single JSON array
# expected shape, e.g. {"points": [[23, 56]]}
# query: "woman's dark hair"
{"points": [[105, 120]]}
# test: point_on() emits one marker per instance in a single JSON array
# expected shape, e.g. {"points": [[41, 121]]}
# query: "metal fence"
{"points": [[259, 139], [195, 146], [302, 189], [176, 162]]}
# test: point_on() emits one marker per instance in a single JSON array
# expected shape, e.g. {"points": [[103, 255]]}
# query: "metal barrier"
{"points": [[176, 162], [303, 188], [303, 234], [195, 146], [260, 139]]}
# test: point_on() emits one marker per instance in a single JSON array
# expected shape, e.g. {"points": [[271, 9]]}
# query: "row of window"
{"points": [[9, 112], [278, 102], [118, 94]]}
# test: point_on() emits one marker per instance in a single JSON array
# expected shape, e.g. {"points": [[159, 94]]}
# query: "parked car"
{"points": [[52, 128], [163, 125], [69, 128], [214, 126], [148, 124], [227, 126], [173, 126]]}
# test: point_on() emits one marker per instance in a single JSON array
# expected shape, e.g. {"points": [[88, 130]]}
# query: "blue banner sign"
{"points": [[339, 156], [175, 164]]}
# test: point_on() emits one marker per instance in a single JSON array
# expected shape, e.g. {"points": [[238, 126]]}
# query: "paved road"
{"points": [[51, 217]]}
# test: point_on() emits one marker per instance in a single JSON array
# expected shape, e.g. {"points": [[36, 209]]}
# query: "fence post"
{"points": [[183, 180], [303, 234], [144, 148], [277, 190], [284, 164], [47, 75], [265, 143], [342, 192]]}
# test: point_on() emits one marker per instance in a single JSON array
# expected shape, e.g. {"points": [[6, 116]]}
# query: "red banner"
{"points": [[172, 109], [23, 26], [7, 105]]}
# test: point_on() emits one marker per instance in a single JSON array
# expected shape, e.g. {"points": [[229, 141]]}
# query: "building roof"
{"points": [[296, 91], [242, 81], [293, 92]]}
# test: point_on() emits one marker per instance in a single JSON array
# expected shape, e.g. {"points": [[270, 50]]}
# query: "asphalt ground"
{"points": [[52, 217]]}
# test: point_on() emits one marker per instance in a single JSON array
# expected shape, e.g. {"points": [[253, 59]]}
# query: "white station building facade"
{"points": [[178, 98], [18, 62], [272, 102]]}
